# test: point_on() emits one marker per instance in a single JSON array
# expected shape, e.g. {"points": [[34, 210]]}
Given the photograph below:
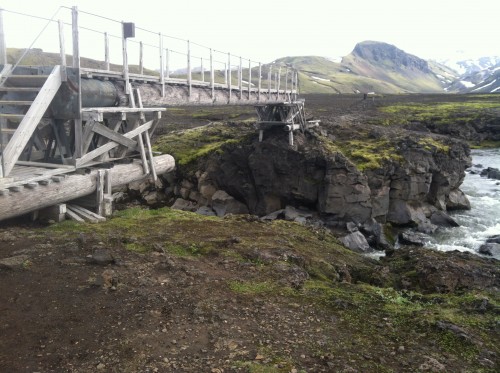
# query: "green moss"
{"points": [[366, 154], [485, 145], [189, 145], [432, 144], [440, 113]]}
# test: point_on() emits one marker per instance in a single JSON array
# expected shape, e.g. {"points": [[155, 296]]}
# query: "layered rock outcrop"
{"points": [[417, 177]]}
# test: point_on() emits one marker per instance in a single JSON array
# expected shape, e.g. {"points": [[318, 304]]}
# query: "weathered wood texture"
{"points": [[74, 186]]}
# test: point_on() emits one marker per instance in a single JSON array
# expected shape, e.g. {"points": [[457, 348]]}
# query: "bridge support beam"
{"points": [[62, 189]]}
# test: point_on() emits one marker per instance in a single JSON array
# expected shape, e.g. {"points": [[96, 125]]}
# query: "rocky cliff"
{"points": [[343, 173]]}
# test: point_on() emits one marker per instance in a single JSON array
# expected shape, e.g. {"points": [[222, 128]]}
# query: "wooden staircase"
{"points": [[24, 100]]}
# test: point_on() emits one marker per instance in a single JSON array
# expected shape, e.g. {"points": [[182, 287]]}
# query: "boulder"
{"points": [[279, 214], [185, 205], [442, 219], [457, 200], [374, 233], [206, 211], [491, 173], [14, 262], [223, 204], [299, 215], [411, 238], [356, 242], [494, 239], [490, 249]]}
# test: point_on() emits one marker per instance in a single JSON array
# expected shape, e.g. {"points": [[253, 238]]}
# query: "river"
{"points": [[483, 219]]}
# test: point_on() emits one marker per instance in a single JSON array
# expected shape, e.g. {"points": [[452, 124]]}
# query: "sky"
{"points": [[265, 30]]}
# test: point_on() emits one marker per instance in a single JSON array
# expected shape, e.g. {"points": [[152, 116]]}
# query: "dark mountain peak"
{"points": [[377, 52]]}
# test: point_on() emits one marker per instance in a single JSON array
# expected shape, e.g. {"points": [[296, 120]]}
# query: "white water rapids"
{"points": [[483, 219]]}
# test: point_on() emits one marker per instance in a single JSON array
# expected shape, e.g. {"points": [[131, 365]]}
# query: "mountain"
{"points": [[468, 66], [477, 79], [372, 67]]}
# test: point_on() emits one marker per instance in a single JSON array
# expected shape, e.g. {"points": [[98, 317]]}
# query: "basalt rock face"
{"points": [[270, 175]]}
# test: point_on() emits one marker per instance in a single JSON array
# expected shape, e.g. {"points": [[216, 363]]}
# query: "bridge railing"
{"points": [[129, 51]]}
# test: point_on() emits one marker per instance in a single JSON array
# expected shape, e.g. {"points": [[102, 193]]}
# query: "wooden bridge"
{"points": [[70, 130]]}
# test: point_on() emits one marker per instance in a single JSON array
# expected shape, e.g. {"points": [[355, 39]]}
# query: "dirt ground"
{"points": [[85, 302]]}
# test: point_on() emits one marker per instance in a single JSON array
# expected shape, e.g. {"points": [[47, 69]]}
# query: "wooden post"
{"points": [[3, 47], [106, 51], [76, 37], [269, 80], [229, 74], [212, 77], [141, 58], [249, 77], [108, 196], [125, 62], [296, 84], [278, 81], [202, 70], [162, 67], [100, 192], [77, 122], [240, 77], [189, 68], [286, 82], [62, 51], [225, 73], [260, 80], [167, 63]]}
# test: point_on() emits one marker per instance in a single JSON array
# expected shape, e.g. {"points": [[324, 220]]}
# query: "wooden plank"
{"points": [[117, 109], [150, 154], [143, 155], [110, 145], [27, 126], [86, 214], [74, 216], [114, 136], [46, 165]]}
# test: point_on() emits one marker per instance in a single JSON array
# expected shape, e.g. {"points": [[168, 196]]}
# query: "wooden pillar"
{"points": [[269, 80], [125, 62], [189, 68], [167, 63], [141, 58], [225, 73], [260, 80], [240, 78], [286, 82], [212, 76], [3, 47], [278, 81], [62, 51], [162, 67], [77, 122], [202, 70], [106, 51], [76, 38], [249, 78], [229, 74]]}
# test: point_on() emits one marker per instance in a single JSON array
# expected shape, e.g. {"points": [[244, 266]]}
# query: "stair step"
{"points": [[15, 117], [16, 103], [19, 89], [8, 130], [26, 80]]}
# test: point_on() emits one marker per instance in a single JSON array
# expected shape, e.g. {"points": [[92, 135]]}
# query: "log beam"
{"points": [[75, 186]]}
